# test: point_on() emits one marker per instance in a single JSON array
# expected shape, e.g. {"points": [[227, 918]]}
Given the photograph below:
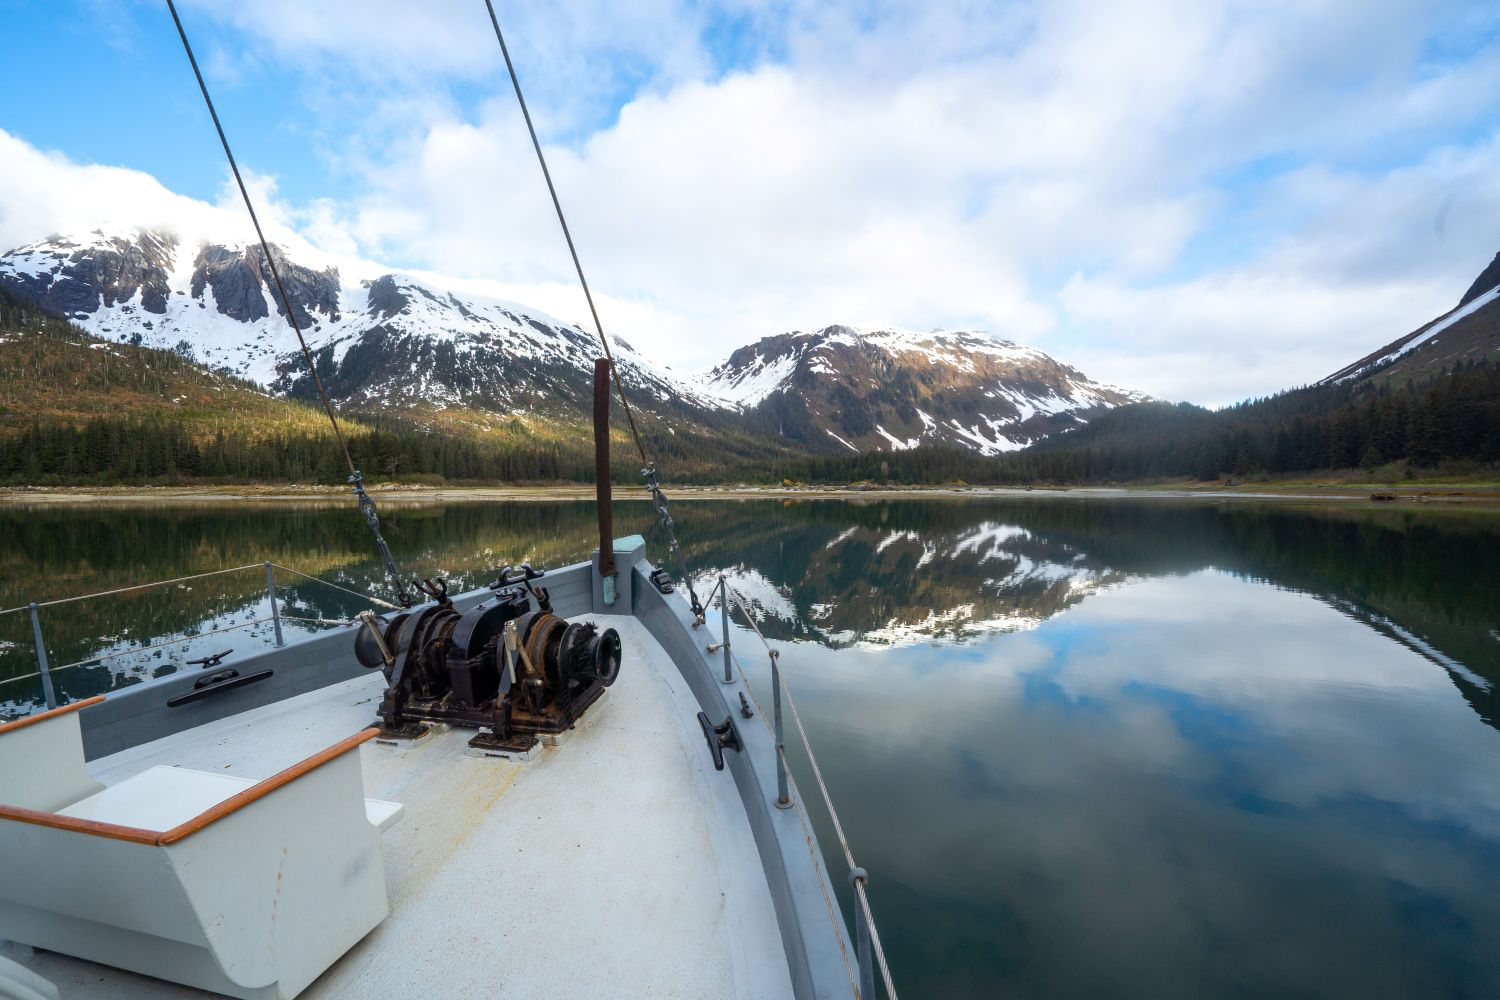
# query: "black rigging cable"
{"points": [[567, 235], [366, 504], [658, 499]]}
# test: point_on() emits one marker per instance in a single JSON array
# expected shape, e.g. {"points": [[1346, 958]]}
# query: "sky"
{"points": [[1207, 201]]}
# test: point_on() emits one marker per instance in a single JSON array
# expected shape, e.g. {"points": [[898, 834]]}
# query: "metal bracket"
{"points": [[438, 591], [212, 660]]}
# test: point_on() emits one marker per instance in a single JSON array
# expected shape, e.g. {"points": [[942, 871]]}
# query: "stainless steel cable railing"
{"points": [[45, 670], [867, 937]]}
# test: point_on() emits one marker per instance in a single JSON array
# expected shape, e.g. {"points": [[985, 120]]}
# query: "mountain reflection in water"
{"points": [[1086, 748]]}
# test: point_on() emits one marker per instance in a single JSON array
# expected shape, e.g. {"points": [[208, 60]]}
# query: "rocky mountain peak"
{"points": [[860, 390], [76, 276], [243, 285], [1488, 279]]}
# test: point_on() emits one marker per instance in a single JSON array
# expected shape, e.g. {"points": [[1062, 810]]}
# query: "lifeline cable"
{"points": [[658, 498], [366, 503]]}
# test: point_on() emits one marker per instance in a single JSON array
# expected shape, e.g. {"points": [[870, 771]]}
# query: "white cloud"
{"points": [[1202, 200], [1364, 260], [45, 193]]}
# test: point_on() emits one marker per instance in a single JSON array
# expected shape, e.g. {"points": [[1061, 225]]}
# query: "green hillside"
{"points": [[78, 410]]}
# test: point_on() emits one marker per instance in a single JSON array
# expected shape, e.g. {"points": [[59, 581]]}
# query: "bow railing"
{"points": [[46, 671], [867, 937]]}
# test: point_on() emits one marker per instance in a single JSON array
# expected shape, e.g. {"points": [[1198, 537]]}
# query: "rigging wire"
{"points": [[366, 503], [567, 234], [658, 498]]}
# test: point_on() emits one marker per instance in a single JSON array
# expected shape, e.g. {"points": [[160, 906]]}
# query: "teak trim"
{"points": [[158, 838], [266, 787], [51, 713]]}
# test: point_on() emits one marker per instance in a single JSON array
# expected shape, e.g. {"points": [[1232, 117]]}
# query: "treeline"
{"points": [[164, 448], [1451, 421]]}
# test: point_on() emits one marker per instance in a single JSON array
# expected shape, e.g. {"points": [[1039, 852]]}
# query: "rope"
{"points": [[807, 835], [317, 621], [138, 649], [648, 470], [173, 642], [335, 586], [838, 829], [138, 586], [366, 504], [264, 246]]}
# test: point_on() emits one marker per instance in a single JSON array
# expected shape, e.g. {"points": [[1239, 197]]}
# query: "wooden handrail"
{"points": [[263, 788], [159, 838], [93, 828], [51, 713]]}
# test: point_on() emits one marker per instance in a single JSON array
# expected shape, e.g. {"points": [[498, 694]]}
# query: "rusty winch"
{"points": [[507, 665]]}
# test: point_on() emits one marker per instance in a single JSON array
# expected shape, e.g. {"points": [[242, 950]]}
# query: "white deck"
{"points": [[619, 864]]}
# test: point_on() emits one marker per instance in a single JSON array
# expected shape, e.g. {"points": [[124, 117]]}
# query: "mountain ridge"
{"points": [[887, 389], [1470, 331], [385, 340]]}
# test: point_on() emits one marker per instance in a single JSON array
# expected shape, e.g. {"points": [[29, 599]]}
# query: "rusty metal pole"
{"points": [[724, 617], [783, 798], [275, 611], [603, 491], [41, 659]]}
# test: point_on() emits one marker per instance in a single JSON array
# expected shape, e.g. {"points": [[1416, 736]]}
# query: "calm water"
{"points": [[1086, 748]]}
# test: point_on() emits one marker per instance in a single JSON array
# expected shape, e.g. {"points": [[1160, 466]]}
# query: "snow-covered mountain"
{"points": [[208, 302], [388, 340], [405, 343], [1469, 331], [381, 339], [891, 389]]}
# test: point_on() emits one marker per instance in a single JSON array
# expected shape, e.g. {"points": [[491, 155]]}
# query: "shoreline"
{"points": [[1483, 495]]}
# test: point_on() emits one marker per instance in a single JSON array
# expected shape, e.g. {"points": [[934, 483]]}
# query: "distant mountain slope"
{"points": [[78, 408], [875, 390], [388, 340], [393, 343], [1428, 401], [1468, 332], [209, 303], [407, 345], [50, 369], [1488, 279]]}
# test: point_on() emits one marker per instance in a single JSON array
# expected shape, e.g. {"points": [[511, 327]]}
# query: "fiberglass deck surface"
{"points": [[618, 864]]}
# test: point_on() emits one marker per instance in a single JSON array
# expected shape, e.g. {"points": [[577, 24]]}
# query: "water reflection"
{"points": [[889, 586], [1192, 786], [1089, 749], [845, 574], [841, 574]]}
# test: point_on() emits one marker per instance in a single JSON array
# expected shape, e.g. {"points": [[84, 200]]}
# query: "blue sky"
{"points": [[1203, 200]]}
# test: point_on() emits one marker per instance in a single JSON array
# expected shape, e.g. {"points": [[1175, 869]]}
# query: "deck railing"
{"points": [[867, 937], [45, 671]]}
